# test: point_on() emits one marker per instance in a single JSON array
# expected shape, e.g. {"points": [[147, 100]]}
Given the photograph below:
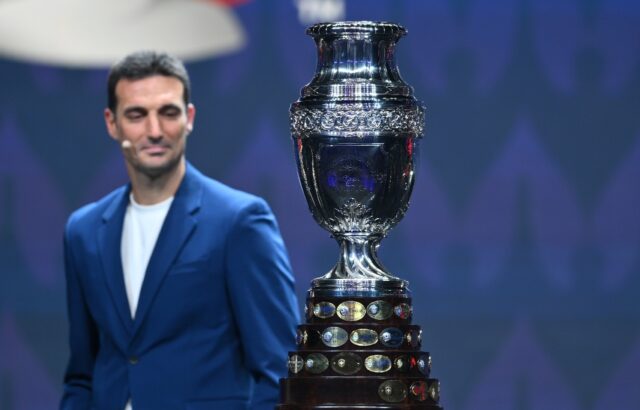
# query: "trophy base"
{"points": [[348, 393], [359, 350]]}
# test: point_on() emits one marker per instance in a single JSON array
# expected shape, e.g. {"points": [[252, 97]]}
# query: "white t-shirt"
{"points": [[142, 224]]}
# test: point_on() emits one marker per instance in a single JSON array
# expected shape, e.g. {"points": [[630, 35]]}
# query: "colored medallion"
{"points": [[392, 391], [379, 310], [434, 391], [377, 363], [334, 336], [351, 311], [296, 364], [391, 337], [308, 310], [301, 337], [412, 338], [401, 363], [403, 311], [346, 363], [419, 389], [364, 337], [324, 310], [316, 363], [424, 364]]}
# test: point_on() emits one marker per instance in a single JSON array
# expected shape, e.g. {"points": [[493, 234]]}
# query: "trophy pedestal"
{"points": [[359, 351]]}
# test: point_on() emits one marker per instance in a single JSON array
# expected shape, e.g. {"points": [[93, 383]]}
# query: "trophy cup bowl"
{"points": [[356, 130]]}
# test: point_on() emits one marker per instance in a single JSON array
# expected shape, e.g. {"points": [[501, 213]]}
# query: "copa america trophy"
{"points": [[356, 130]]}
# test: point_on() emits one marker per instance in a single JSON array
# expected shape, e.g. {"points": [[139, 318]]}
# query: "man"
{"points": [[179, 289]]}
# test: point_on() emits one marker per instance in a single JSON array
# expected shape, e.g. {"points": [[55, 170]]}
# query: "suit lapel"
{"points": [[109, 237], [178, 226]]}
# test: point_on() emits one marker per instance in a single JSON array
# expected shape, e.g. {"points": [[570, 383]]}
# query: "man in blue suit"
{"points": [[180, 294]]}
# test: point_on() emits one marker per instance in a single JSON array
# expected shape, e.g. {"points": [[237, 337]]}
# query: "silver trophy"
{"points": [[356, 129]]}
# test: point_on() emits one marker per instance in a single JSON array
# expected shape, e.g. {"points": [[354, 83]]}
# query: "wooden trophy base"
{"points": [[359, 352]]}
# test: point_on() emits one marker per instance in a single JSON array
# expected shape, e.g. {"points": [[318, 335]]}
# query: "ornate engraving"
{"points": [[355, 217], [349, 120]]}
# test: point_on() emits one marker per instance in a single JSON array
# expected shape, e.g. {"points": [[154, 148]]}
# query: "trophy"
{"points": [[356, 129]]}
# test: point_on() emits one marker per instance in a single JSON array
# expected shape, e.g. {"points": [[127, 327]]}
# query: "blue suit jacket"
{"points": [[216, 315]]}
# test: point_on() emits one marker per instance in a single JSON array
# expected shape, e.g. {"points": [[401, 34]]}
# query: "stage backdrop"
{"points": [[523, 236]]}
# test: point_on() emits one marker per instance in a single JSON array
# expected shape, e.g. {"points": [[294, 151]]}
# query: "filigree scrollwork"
{"points": [[356, 120]]}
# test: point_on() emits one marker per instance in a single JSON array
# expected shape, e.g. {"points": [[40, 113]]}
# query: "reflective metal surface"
{"points": [[379, 310], [391, 337], [377, 363], [296, 364], [308, 310], [346, 363], [356, 129], [334, 336], [392, 391], [364, 337], [324, 310], [351, 311], [321, 288], [301, 337], [316, 363]]}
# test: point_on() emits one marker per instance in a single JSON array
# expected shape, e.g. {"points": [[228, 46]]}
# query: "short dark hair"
{"points": [[143, 64]]}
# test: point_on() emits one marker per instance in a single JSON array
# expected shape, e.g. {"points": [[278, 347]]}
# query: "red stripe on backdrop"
{"points": [[230, 3]]}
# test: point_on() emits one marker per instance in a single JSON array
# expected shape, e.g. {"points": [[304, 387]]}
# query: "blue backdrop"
{"points": [[523, 236]]}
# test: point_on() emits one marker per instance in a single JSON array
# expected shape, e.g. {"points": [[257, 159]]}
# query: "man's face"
{"points": [[152, 116]]}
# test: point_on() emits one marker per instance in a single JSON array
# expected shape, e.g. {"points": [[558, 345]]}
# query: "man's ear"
{"points": [[191, 116], [110, 122]]}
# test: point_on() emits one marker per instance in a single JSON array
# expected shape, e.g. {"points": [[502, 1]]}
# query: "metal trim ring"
{"points": [[357, 120]]}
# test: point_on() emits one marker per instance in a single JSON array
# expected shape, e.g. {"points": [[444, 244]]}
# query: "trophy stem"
{"points": [[359, 259], [359, 271]]}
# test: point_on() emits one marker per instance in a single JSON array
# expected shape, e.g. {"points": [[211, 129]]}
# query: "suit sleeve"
{"points": [[83, 338], [261, 290]]}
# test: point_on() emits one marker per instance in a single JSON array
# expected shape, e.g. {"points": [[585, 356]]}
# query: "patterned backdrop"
{"points": [[522, 241]]}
